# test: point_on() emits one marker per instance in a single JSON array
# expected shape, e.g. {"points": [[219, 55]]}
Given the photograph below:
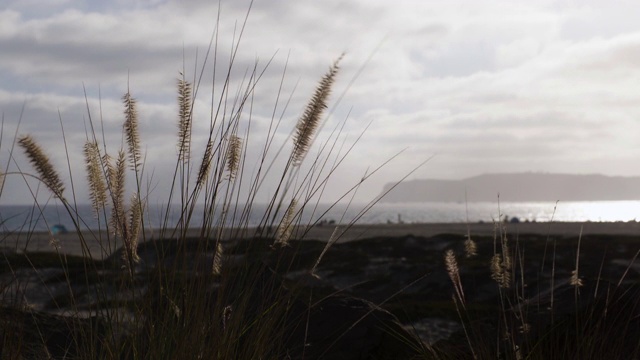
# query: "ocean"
{"points": [[30, 218]]}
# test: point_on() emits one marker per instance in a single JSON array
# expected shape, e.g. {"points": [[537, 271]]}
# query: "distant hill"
{"points": [[517, 187]]}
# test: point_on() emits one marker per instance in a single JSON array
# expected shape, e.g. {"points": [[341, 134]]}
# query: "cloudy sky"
{"points": [[482, 86]]}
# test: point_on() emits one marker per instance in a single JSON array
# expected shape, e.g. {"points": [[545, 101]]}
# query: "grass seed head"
{"points": [[43, 166], [286, 225], [116, 184], [470, 248], [575, 280], [54, 243], [498, 272], [97, 186], [234, 150], [131, 130], [205, 166], [308, 123], [452, 265], [184, 119], [453, 270], [135, 224]]}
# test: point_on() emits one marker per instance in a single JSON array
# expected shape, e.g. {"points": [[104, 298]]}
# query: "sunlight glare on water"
{"points": [[600, 211], [20, 218]]}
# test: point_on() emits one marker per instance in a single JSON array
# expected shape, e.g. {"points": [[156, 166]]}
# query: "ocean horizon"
{"points": [[29, 218]]}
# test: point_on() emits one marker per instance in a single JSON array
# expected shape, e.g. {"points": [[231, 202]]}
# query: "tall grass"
{"points": [[173, 293], [544, 316]]}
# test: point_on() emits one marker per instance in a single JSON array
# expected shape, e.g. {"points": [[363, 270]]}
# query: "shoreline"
{"points": [[39, 241]]}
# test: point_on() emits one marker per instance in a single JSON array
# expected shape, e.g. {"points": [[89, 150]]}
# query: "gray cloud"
{"points": [[486, 86]]}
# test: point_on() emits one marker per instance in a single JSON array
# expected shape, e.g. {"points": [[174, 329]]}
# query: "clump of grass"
{"points": [[501, 264], [194, 302], [558, 322]]}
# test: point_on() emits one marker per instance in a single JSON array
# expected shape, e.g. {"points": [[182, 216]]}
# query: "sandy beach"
{"points": [[69, 244]]}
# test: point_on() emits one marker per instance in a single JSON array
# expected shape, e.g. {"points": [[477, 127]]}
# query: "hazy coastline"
{"points": [[519, 187]]}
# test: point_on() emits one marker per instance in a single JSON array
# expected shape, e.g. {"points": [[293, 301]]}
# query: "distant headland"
{"points": [[517, 187]]}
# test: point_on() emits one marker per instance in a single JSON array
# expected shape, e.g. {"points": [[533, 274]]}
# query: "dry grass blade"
{"points": [[331, 241], [308, 123], [184, 116], [131, 130], [575, 280], [506, 254], [217, 260], [97, 186], [42, 165]]}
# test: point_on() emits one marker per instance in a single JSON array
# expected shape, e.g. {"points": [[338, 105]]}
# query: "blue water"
{"points": [[23, 218]]}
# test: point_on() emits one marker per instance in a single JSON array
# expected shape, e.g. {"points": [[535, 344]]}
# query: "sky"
{"points": [[471, 86]]}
